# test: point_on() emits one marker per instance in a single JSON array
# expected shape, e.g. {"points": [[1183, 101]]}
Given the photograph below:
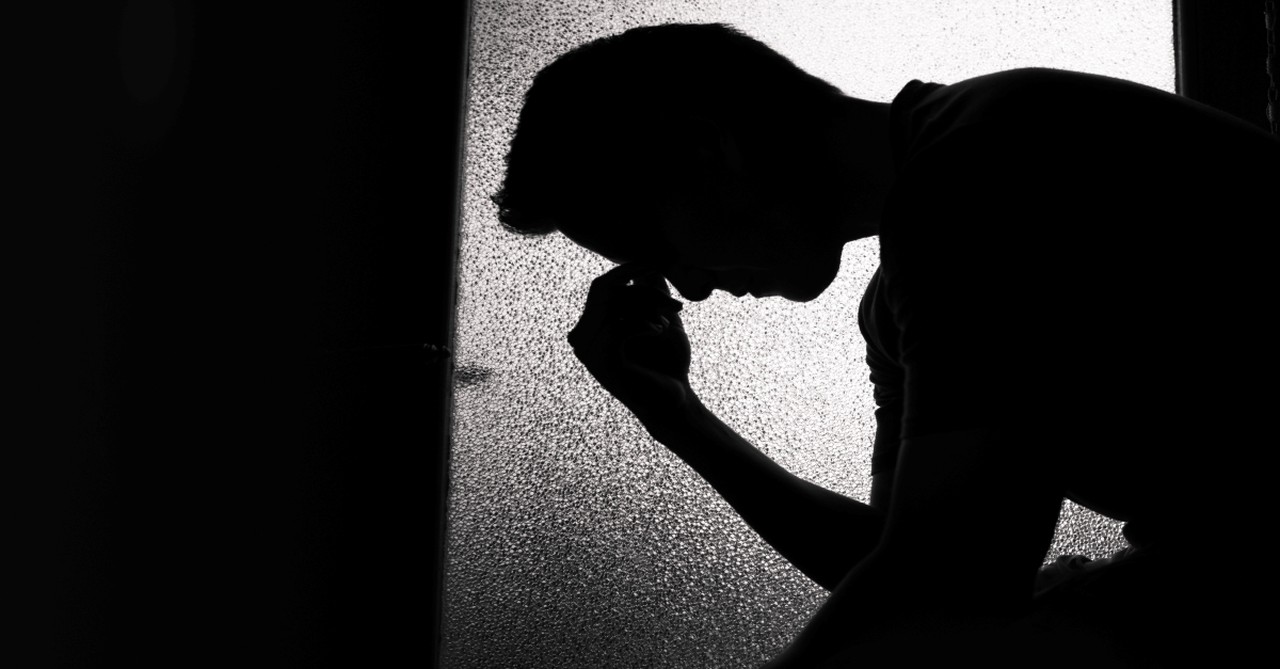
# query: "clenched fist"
{"points": [[632, 341]]}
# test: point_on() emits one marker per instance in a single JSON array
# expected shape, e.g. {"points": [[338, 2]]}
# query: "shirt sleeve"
{"points": [[875, 320], [967, 293]]}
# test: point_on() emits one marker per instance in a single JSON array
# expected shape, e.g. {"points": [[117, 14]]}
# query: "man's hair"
{"points": [[600, 126]]}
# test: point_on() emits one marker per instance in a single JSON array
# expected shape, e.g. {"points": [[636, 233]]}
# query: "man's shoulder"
{"points": [[1065, 111], [1042, 90], [1034, 130], [1023, 105]]}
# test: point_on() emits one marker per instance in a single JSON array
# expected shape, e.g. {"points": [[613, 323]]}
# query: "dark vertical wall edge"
{"points": [[1221, 55], [1180, 64], [442, 341]]}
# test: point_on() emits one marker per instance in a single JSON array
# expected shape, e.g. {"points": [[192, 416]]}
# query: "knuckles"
{"points": [[616, 312]]}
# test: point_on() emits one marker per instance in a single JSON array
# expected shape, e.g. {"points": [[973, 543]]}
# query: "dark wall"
{"points": [[244, 223]]}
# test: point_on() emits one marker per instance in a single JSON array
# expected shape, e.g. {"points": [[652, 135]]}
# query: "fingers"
{"points": [[620, 275], [633, 294], [610, 284], [604, 290], [653, 279]]}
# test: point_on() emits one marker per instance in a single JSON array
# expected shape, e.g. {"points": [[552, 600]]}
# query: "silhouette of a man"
{"points": [[1071, 302]]}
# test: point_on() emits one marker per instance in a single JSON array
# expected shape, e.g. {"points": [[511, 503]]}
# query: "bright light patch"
{"points": [[574, 539]]}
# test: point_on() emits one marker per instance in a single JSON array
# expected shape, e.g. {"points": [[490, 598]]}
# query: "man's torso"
{"points": [[1082, 259]]}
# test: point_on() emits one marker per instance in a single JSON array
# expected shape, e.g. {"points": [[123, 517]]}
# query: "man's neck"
{"points": [[862, 156]]}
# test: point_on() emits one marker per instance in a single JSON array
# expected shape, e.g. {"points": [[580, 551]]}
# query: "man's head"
{"points": [[687, 146]]}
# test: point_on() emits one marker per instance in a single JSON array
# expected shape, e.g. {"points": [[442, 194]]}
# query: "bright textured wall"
{"points": [[574, 540]]}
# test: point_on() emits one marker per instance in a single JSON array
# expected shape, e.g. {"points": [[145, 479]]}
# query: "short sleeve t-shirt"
{"points": [[1080, 258]]}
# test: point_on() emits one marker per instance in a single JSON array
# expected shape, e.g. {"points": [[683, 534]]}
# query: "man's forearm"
{"points": [[822, 533]]}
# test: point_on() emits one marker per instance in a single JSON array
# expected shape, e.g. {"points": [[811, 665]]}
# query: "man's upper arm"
{"points": [[975, 311], [975, 478], [875, 320]]}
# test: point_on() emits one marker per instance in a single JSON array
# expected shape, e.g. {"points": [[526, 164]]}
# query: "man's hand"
{"points": [[631, 340]]}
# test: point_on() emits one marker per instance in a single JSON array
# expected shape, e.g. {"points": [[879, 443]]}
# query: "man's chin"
{"points": [[805, 285], [802, 297], [789, 294], [807, 292]]}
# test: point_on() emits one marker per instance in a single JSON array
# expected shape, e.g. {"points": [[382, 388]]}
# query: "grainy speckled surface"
{"points": [[574, 539]]}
